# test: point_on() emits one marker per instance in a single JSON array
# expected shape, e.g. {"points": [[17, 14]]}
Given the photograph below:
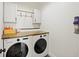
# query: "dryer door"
{"points": [[17, 50], [40, 46]]}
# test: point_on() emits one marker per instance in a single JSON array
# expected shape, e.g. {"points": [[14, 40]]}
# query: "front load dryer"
{"points": [[40, 45], [17, 47]]}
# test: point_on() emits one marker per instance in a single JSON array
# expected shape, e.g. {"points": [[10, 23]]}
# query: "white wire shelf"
{"points": [[26, 11]]}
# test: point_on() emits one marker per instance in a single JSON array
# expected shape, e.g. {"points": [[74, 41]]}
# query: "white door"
{"points": [[1, 27]]}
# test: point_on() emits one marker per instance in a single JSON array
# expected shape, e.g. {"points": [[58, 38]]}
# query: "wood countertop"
{"points": [[24, 34]]}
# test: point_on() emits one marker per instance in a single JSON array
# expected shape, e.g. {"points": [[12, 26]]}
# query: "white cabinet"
{"points": [[1, 27], [10, 10], [37, 18]]}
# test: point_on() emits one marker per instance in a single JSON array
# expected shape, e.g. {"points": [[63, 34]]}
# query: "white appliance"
{"points": [[40, 45], [1, 29], [17, 47]]}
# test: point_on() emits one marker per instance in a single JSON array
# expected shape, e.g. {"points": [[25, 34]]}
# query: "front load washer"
{"points": [[40, 45], [17, 47]]}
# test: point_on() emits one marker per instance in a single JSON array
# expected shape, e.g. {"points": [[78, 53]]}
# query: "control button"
{"points": [[25, 38], [18, 39], [40, 35]]}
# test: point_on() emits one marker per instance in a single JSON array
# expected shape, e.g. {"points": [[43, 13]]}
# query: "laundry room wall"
{"points": [[57, 18], [23, 22], [30, 6], [1, 27], [25, 6]]}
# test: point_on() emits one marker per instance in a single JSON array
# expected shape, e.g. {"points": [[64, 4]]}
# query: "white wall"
{"points": [[57, 18], [26, 22], [30, 5], [1, 27], [26, 6], [1, 19]]}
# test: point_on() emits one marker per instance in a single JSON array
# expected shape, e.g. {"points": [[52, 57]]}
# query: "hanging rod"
{"points": [[25, 11]]}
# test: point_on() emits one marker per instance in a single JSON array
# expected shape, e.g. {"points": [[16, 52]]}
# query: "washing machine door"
{"points": [[17, 50], [40, 46]]}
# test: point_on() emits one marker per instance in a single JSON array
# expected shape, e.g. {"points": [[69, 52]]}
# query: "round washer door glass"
{"points": [[17, 50], [40, 46]]}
